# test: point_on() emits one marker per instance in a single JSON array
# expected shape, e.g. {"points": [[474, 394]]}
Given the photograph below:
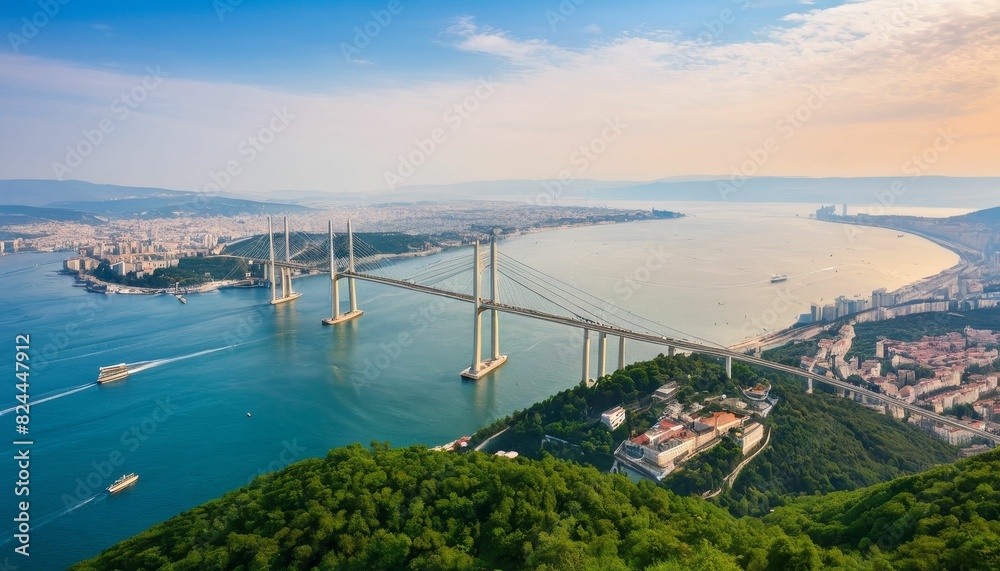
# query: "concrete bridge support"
{"points": [[621, 353], [809, 386], [729, 367], [287, 294], [335, 315], [670, 351], [602, 354], [479, 367], [586, 356]]}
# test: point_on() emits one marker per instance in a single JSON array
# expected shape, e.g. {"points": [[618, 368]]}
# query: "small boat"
{"points": [[776, 278], [181, 299], [123, 482], [112, 373]]}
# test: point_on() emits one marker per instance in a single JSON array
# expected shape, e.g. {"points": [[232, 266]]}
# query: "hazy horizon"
{"points": [[368, 96]]}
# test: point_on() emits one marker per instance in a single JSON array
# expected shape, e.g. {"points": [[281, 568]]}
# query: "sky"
{"points": [[255, 95]]}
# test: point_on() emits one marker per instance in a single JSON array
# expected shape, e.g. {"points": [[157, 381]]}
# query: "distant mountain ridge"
{"points": [[75, 200], [989, 216], [930, 191], [17, 214], [47, 192]]}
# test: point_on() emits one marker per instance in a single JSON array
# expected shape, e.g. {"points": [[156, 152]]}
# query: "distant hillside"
{"points": [[970, 192], [990, 216], [46, 192], [112, 201], [16, 214], [188, 204]]}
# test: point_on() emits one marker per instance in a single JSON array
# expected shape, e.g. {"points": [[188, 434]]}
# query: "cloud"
{"points": [[895, 73]]}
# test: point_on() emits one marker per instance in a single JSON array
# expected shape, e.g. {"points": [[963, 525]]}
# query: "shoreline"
{"points": [[116, 288], [913, 291]]}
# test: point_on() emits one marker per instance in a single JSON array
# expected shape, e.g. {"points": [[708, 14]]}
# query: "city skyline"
{"points": [[369, 96]]}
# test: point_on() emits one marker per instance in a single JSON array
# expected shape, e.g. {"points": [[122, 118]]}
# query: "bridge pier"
{"points": [[494, 314], [602, 354], [287, 294], [670, 350], [479, 367], [336, 316], [809, 385], [586, 356], [729, 367], [621, 353]]}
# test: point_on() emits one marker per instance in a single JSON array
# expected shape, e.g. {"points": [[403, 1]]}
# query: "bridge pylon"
{"points": [[287, 294], [480, 367], [335, 315]]}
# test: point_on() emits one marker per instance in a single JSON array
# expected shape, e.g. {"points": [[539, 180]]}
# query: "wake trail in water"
{"points": [[56, 515], [53, 397], [146, 365], [132, 369]]}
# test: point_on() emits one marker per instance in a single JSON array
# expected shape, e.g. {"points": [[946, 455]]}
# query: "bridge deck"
{"points": [[676, 343]]}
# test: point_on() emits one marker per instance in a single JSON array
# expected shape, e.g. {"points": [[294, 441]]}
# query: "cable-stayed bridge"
{"points": [[512, 288]]}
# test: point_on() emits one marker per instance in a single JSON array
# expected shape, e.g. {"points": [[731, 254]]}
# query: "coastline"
{"points": [[910, 292], [116, 288]]}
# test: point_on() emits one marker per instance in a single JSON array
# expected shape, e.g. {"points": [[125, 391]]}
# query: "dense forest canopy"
{"points": [[411, 508]]}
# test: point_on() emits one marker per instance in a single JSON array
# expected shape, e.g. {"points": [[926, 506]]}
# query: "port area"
{"points": [[343, 317]]}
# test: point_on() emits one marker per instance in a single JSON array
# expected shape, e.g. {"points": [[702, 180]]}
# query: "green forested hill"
{"points": [[411, 508], [819, 442], [822, 443], [415, 509], [945, 518]]}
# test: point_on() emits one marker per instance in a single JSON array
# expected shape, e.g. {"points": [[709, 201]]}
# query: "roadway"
{"points": [[682, 344]]}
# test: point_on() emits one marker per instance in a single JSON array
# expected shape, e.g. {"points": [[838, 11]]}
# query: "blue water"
{"points": [[182, 424], [180, 420]]}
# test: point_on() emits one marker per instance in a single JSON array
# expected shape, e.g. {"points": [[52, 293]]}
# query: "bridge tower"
{"points": [[479, 367], [286, 270], [335, 315], [602, 354]]}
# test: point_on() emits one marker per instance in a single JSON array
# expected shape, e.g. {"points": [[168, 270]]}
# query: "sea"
{"points": [[227, 387]]}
